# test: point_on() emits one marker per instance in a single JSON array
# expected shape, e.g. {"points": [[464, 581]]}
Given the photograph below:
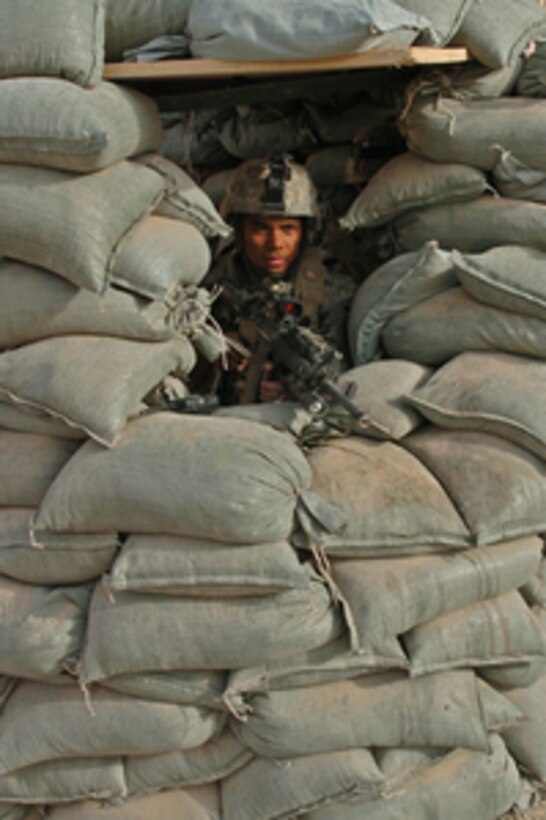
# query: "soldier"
{"points": [[272, 206]]}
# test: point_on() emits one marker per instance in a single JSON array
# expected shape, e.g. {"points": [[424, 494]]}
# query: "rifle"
{"points": [[304, 362]]}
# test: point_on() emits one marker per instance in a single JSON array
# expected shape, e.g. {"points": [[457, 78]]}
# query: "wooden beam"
{"points": [[197, 68]]}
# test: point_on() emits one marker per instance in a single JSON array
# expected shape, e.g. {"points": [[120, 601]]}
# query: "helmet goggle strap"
{"points": [[279, 173]]}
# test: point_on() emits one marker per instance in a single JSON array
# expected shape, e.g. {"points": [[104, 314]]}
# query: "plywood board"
{"points": [[216, 69]]}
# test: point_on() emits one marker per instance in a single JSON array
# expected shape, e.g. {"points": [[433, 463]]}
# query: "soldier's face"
{"points": [[272, 243]]}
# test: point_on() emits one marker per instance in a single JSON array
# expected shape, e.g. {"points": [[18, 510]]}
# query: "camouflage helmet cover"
{"points": [[271, 187]]}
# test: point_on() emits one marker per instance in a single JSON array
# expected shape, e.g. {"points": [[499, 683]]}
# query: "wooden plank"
{"points": [[216, 69]]}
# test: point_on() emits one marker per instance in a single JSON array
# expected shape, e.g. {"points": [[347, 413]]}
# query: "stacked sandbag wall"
{"points": [[202, 617]]}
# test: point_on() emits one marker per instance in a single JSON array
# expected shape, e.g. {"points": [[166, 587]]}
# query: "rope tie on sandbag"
{"points": [[191, 316]]}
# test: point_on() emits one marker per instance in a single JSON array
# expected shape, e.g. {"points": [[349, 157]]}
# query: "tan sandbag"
{"points": [[41, 628], [454, 322], [28, 464], [27, 420], [497, 631], [377, 389], [510, 277], [469, 393], [472, 131], [496, 32], [131, 23], [160, 255], [45, 217], [126, 635], [106, 124], [93, 383], [473, 227], [526, 741], [395, 286], [444, 18], [464, 783], [183, 566], [109, 725], [325, 664], [389, 597], [468, 464], [392, 504], [60, 38], [285, 788], [187, 686], [214, 760], [259, 473], [63, 781], [199, 803], [82, 558], [443, 709], [184, 200], [35, 304], [409, 181]]}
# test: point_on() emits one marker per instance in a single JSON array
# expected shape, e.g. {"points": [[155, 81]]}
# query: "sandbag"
{"points": [[61, 781], [126, 635], [274, 788], [331, 662], [388, 597], [377, 390], [526, 740], [45, 217], [395, 286], [464, 783], [184, 566], [106, 124], [472, 131], [190, 687], [67, 377], [160, 255], [474, 227], [496, 32], [214, 760], [59, 38], [184, 200], [516, 180], [255, 132], [41, 628], [131, 23], [445, 19], [391, 503], [259, 474], [534, 591], [199, 803], [340, 165], [468, 465], [499, 630], [28, 464], [531, 81], [359, 122], [297, 31], [509, 277], [469, 393], [114, 726], [454, 322], [515, 675], [443, 709], [35, 305], [408, 181], [7, 685], [27, 420], [82, 558]]}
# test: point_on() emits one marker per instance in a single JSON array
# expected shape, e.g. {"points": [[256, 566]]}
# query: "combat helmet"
{"points": [[277, 186]]}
